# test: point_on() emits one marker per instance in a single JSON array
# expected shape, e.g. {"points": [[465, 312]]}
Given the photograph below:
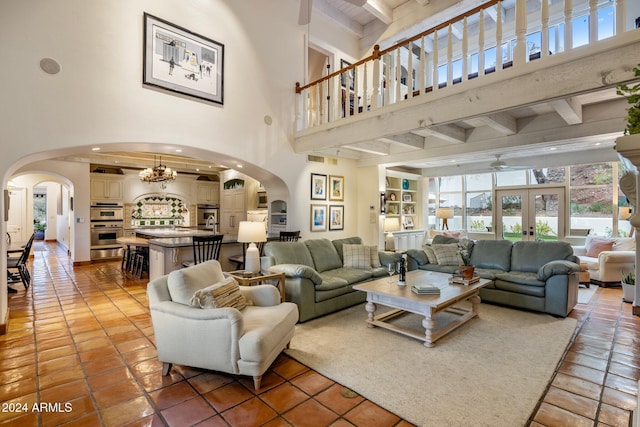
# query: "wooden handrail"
{"points": [[377, 53]]}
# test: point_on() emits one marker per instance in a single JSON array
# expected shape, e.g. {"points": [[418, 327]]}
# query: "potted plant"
{"points": [[464, 249], [628, 285]]}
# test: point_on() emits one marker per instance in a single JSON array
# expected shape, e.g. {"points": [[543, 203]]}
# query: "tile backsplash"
{"points": [[159, 211]]}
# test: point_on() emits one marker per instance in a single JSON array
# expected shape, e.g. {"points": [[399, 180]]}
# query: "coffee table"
{"points": [[403, 299]]}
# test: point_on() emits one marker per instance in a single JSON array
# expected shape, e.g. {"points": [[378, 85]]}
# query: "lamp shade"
{"points": [[624, 212], [251, 231], [391, 224], [444, 213]]}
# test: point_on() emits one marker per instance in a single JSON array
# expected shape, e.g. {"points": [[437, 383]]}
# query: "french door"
{"points": [[530, 214]]}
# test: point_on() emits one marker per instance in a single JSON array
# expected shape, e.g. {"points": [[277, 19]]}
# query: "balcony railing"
{"points": [[491, 38]]}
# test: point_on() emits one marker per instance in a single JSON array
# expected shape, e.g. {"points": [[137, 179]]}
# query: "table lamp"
{"points": [[444, 214], [624, 213], [252, 232], [390, 225]]}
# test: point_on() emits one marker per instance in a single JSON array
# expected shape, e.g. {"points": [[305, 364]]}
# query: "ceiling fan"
{"points": [[499, 166], [304, 17]]}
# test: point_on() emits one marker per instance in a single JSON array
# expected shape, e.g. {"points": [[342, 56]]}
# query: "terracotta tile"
{"points": [[312, 382], [624, 370], [339, 399], [623, 384], [619, 399], [549, 415], [102, 365], [269, 380], [172, 395], [16, 374], [127, 412], [586, 360], [188, 413], [577, 386], [625, 359], [583, 372], [289, 368], [228, 396], [120, 392], [109, 378], [367, 413], [16, 409], [613, 416], [157, 381], [17, 388], [209, 381], [284, 397], [66, 411], [572, 402], [65, 392], [252, 412], [53, 365]]}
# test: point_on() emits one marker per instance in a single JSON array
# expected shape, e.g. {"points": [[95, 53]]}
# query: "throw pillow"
{"points": [[375, 258], [594, 245], [625, 244], [225, 293], [447, 254], [356, 256], [431, 255], [185, 282]]}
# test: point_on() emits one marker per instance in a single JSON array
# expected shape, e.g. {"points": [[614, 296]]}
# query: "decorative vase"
{"points": [[628, 292], [466, 271]]}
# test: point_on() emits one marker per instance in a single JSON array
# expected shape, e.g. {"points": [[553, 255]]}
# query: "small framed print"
{"points": [[336, 188], [336, 217], [318, 217], [406, 198], [318, 186]]}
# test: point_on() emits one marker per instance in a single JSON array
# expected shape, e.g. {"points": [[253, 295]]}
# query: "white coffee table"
{"points": [[402, 299]]}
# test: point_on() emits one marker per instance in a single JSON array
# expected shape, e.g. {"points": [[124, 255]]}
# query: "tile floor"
{"points": [[80, 341]]}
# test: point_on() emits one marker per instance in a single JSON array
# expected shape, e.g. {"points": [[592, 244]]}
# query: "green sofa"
{"points": [[316, 277], [538, 276]]}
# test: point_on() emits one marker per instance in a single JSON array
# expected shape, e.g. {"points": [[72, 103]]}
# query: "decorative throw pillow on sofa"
{"points": [[447, 254], [375, 258], [225, 293], [596, 244], [356, 256], [431, 255]]}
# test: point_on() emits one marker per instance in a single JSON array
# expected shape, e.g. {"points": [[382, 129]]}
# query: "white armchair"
{"points": [[243, 342], [607, 267]]}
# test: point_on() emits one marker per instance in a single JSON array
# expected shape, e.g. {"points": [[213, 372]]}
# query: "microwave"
{"points": [[262, 199]]}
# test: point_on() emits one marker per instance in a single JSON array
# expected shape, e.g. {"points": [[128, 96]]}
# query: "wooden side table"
{"points": [[247, 278]]}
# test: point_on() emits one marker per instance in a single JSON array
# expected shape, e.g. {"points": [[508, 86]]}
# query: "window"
{"points": [[591, 195]]}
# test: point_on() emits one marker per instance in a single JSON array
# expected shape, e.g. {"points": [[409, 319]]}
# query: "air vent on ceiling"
{"points": [[316, 159], [106, 169], [332, 161]]}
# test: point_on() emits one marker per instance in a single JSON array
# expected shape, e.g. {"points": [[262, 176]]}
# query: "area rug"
{"points": [[585, 294], [489, 372]]}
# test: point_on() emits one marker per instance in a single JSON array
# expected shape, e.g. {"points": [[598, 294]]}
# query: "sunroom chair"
{"points": [[243, 334]]}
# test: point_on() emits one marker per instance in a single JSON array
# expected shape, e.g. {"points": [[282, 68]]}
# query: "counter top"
{"points": [[179, 242], [170, 232]]}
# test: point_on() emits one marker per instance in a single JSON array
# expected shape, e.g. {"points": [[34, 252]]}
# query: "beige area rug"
{"points": [[585, 294], [489, 372]]}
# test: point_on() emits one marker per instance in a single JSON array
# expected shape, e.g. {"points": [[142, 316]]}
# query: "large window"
{"points": [[593, 200]]}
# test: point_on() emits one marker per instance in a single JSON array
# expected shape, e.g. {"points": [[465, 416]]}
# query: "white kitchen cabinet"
{"points": [[232, 210], [106, 188], [208, 192]]}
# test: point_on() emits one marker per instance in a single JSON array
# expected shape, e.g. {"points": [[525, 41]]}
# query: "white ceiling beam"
{"points": [[380, 10], [321, 6], [423, 2], [569, 109], [450, 133], [502, 122], [407, 139], [372, 147], [493, 14]]}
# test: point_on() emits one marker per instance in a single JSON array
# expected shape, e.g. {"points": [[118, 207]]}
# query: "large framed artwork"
{"points": [[181, 61], [318, 186], [336, 188], [336, 217], [318, 217]]}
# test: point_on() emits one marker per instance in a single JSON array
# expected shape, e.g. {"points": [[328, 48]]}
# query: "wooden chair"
{"points": [[238, 260], [20, 263], [205, 248], [289, 236]]}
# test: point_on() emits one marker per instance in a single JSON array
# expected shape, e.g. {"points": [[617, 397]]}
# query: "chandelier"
{"points": [[159, 173]]}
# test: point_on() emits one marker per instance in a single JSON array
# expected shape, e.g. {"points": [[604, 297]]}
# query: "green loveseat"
{"points": [[538, 276], [317, 279]]}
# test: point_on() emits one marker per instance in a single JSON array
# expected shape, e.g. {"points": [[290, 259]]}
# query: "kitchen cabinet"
{"points": [[208, 192], [105, 188], [278, 220], [232, 210]]}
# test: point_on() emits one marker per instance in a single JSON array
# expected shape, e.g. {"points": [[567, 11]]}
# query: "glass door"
{"points": [[530, 214]]}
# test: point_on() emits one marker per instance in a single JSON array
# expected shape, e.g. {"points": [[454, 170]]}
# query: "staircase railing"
{"points": [[484, 40]]}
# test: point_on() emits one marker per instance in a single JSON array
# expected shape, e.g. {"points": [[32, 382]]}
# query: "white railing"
{"points": [[485, 40]]}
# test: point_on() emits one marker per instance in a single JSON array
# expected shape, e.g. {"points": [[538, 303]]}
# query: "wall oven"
{"points": [[105, 212], [105, 233], [208, 217]]}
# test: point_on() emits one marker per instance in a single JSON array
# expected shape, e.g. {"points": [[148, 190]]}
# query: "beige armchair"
{"points": [[606, 268], [243, 342]]}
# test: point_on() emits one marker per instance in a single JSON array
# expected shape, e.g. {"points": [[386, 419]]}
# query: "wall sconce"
{"points": [[383, 203]]}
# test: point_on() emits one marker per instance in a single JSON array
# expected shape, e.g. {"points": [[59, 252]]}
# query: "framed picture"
{"points": [[336, 188], [406, 198], [343, 76], [336, 217], [318, 217], [408, 223], [181, 61], [318, 186]]}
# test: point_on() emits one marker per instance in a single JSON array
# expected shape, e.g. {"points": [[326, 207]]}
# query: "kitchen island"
{"points": [[170, 247]]}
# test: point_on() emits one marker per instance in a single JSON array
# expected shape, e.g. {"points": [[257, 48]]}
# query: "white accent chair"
{"points": [[221, 339], [607, 267]]}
